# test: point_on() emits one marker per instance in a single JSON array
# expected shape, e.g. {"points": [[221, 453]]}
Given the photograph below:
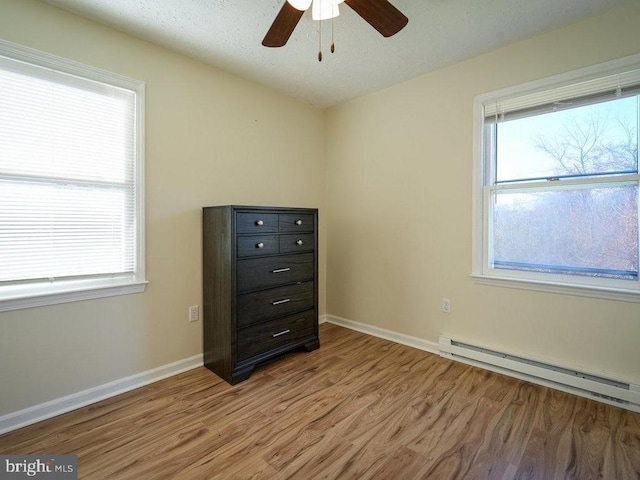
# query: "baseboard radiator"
{"points": [[613, 392]]}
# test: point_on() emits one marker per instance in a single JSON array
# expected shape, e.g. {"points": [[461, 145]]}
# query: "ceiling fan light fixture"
{"points": [[380, 14], [301, 5], [324, 10]]}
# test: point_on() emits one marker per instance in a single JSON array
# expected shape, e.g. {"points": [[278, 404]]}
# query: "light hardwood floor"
{"points": [[357, 408]]}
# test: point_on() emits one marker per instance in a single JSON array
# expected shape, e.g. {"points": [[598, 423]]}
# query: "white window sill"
{"points": [[560, 288], [16, 298]]}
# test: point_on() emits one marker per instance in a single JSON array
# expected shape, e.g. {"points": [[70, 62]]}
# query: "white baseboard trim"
{"points": [[43, 411], [401, 338]]}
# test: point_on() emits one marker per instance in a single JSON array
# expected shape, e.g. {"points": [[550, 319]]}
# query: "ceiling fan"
{"points": [[380, 14]]}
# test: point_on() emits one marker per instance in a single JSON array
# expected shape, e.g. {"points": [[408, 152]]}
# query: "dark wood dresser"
{"points": [[260, 290]]}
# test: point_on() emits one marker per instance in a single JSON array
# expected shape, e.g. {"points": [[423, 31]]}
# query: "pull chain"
{"points": [[320, 42], [333, 45]]}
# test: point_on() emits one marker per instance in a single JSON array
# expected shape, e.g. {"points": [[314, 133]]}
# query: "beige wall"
{"points": [[211, 138], [399, 211]]}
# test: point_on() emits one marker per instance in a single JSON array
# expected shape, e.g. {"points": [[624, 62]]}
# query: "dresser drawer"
{"points": [[276, 302], [272, 335], [255, 245], [303, 242], [259, 273], [256, 222], [292, 222]]}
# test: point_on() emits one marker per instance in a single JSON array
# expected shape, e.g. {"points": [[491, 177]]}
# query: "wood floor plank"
{"points": [[403, 463], [590, 430], [541, 458], [357, 408], [624, 446]]}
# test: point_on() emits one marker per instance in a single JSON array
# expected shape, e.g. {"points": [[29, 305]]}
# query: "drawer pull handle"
{"points": [[259, 223], [281, 270], [280, 302], [298, 222], [299, 242], [274, 335], [260, 245]]}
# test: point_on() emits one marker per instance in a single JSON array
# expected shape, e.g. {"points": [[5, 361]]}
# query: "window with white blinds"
{"points": [[71, 212], [557, 184]]}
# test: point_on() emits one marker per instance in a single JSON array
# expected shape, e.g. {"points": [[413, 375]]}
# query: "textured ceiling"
{"points": [[228, 35]]}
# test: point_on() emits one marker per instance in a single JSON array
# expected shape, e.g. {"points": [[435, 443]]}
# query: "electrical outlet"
{"points": [[446, 305], [194, 313]]}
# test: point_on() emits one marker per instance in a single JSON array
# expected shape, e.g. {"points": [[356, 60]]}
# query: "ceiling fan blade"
{"points": [[282, 26], [380, 14]]}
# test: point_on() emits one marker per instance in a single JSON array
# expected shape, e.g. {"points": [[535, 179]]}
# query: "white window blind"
{"points": [[68, 186], [600, 89]]}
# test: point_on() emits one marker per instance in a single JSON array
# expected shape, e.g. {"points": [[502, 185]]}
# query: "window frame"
{"points": [[18, 296], [482, 273]]}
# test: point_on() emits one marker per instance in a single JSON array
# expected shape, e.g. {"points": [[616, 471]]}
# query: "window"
{"points": [[71, 166], [557, 184]]}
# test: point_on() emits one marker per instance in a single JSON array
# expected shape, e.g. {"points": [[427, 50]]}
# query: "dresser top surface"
{"points": [[262, 208]]}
